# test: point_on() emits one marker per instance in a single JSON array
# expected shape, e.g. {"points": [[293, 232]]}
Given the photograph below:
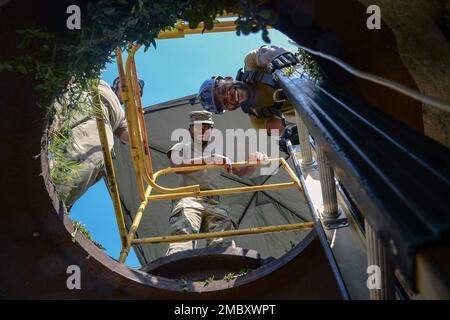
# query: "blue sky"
{"points": [[174, 69]]}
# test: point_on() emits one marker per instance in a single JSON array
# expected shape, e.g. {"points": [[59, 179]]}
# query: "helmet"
{"points": [[206, 96]]}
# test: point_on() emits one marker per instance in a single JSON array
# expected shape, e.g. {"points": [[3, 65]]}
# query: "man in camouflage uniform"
{"points": [[254, 91], [86, 147], [202, 214]]}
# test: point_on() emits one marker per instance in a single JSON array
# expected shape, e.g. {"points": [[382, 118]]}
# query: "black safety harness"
{"points": [[283, 60]]}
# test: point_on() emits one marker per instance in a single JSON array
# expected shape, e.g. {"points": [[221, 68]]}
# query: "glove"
{"points": [[257, 157], [289, 133], [283, 60], [220, 159]]}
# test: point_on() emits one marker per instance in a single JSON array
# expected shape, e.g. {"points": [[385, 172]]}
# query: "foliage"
{"points": [[208, 281], [310, 66], [77, 226], [231, 276], [244, 271], [75, 103], [184, 286]]}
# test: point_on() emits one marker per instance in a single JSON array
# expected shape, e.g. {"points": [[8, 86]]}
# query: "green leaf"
{"points": [[109, 11], [265, 36], [245, 29], [153, 42], [269, 17], [265, 14], [22, 69], [5, 67], [209, 24], [193, 24], [208, 281]]}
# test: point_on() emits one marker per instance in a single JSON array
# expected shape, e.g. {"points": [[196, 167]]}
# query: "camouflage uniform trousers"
{"points": [[199, 214], [88, 175]]}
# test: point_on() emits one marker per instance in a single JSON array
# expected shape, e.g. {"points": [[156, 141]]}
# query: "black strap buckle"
{"points": [[279, 96]]}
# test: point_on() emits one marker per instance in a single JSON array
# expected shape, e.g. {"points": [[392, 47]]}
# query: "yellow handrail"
{"points": [[136, 222], [126, 98], [110, 174], [148, 161], [224, 234], [132, 114], [182, 29]]}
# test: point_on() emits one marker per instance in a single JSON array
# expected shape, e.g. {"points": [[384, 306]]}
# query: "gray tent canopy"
{"points": [[262, 208]]}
